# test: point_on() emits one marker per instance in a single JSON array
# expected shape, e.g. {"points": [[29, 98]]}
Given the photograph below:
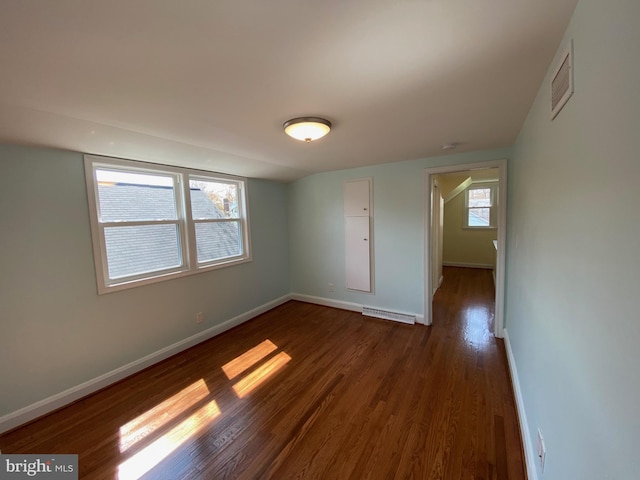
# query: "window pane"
{"points": [[141, 249], [216, 240], [125, 196], [479, 217], [211, 200], [479, 197]]}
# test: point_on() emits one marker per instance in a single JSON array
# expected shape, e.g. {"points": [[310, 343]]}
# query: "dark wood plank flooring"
{"points": [[307, 392]]}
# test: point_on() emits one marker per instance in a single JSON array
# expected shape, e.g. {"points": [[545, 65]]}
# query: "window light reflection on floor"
{"points": [[159, 416], [163, 413], [260, 374], [150, 456], [248, 359], [477, 320]]}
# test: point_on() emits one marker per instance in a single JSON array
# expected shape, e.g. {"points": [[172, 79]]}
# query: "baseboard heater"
{"points": [[388, 315]]}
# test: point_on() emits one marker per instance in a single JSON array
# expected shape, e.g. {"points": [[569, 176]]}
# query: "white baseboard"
{"points": [[327, 302], [529, 449], [485, 266], [47, 405], [330, 302]]}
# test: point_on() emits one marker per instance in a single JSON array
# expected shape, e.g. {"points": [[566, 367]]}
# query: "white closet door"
{"points": [[357, 253], [356, 198]]}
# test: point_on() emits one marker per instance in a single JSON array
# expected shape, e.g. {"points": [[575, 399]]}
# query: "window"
{"points": [[479, 206], [151, 223]]}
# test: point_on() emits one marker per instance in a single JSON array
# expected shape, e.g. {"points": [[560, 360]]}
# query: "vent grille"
{"points": [[388, 315], [562, 82]]}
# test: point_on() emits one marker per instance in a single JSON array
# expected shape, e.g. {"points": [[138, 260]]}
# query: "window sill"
{"points": [[479, 228], [161, 277]]}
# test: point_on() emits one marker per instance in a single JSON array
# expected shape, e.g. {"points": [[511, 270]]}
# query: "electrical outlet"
{"points": [[199, 317], [331, 288], [542, 451]]}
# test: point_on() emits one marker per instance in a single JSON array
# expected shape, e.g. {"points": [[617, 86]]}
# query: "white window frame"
{"points": [[184, 222], [493, 209]]}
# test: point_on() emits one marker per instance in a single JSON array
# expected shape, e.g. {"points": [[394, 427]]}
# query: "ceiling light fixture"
{"points": [[307, 128]]}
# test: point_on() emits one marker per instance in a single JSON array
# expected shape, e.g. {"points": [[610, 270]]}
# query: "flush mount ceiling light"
{"points": [[307, 128]]}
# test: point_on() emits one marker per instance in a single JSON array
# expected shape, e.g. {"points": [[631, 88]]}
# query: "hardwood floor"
{"points": [[307, 392]]}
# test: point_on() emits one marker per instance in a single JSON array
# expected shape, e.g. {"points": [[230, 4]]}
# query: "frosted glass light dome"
{"points": [[307, 129]]}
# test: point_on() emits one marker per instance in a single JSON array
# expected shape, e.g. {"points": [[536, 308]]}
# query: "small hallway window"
{"points": [[480, 206]]}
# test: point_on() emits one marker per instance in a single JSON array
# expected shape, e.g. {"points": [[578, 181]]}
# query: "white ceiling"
{"points": [[208, 83]]}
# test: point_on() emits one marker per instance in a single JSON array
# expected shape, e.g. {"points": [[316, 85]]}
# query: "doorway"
{"points": [[432, 245]]}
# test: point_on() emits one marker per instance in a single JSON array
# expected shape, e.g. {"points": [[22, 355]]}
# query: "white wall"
{"points": [[316, 227], [573, 261], [55, 331]]}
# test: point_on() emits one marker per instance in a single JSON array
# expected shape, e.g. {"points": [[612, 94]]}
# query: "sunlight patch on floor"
{"points": [[150, 456], [260, 374], [143, 427], [163, 413], [248, 359]]}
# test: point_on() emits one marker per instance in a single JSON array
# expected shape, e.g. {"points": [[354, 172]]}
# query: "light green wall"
{"points": [[464, 245], [573, 263], [55, 331], [316, 228]]}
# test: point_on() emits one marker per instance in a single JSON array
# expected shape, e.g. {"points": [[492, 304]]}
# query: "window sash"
{"points": [[180, 252], [491, 196], [491, 207], [238, 193], [238, 235], [118, 171]]}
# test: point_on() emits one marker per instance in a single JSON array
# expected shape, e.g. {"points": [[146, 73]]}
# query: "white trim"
{"points": [[47, 405], [437, 219], [184, 222], [458, 190], [501, 258], [492, 186], [330, 302], [530, 456], [327, 302], [485, 266], [502, 232], [466, 183]]}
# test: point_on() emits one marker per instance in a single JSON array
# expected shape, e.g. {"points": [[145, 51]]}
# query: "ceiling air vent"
{"points": [[562, 82]]}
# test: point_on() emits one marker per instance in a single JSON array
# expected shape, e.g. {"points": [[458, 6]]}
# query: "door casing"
{"points": [[501, 165]]}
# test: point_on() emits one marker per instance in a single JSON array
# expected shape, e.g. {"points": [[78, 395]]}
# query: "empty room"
{"points": [[333, 240]]}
